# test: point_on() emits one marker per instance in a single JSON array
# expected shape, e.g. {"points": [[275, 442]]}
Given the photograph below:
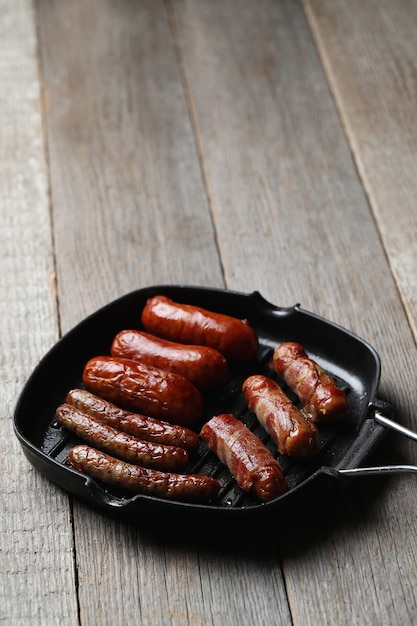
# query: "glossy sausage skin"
{"points": [[248, 459], [189, 324], [322, 399], [145, 389], [135, 424], [293, 434], [120, 444], [137, 479], [201, 365]]}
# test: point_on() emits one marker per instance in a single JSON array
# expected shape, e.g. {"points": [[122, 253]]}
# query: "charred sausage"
{"points": [[203, 366], [248, 459], [120, 444], [145, 389], [189, 324], [137, 479], [140, 426], [294, 434], [322, 399]]}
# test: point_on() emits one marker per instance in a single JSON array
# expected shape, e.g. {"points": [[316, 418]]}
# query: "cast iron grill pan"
{"points": [[350, 360]]}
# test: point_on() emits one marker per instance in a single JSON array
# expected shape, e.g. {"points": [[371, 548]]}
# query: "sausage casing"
{"points": [[322, 399], [248, 459], [137, 479], [202, 365], [294, 434], [145, 389], [120, 444], [135, 424], [189, 324]]}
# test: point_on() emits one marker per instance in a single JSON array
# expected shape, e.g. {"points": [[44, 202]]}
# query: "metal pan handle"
{"points": [[385, 421], [380, 418], [378, 470]]}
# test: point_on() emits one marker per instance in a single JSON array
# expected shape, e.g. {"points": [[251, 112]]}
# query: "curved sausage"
{"points": [[201, 365], [136, 479], [186, 323], [135, 424], [293, 434], [322, 399], [145, 389], [120, 444], [248, 459]]}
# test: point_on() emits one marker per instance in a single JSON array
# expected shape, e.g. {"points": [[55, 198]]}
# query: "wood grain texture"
{"points": [[130, 207], [292, 217], [207, 143], [369, 53], [294, 222], [280, 175], [161, 577], [369, 50], [37, 576]]}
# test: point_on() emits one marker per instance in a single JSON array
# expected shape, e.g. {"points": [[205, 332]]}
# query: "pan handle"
{"points": [[380, 418], [385, 421], [378, 470]]}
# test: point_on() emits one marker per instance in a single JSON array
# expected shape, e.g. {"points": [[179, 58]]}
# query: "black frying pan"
{"points": [[343, 447]]}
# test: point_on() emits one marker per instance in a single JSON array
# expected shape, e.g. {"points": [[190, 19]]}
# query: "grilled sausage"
{"points": [[120, 444], [203, 366], [248, 459], [135, 424], [189, 324], [323, 400], [137, 479], [145, 389], [294, 435]]}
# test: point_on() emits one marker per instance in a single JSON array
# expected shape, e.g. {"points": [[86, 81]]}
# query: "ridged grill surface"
{"points": [[349, 359], [58, 441]]}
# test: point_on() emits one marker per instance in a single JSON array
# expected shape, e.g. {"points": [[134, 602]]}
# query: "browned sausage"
{"points": [[145, 389], [248, 459], [189, 324], [136, 479], [293, 434], [120, 444], [203, 366], [135, 424], [322, 399]]}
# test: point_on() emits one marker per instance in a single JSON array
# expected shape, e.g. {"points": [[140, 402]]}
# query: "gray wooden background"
{"points": [[268, 146]]}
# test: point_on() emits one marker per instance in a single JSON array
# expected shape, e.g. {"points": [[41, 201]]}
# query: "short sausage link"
{"points": [[322, 399], [294, 434], [248, 459]]}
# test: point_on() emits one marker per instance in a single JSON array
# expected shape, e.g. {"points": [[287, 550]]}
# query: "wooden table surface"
{"points": [[265, 146]]}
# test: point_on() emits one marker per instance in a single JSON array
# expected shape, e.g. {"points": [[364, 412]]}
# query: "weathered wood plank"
{"points": [[290, 218], [294, 222], [369, 53], [369, 50], [128, 196], [130, 208], [37, 576]]}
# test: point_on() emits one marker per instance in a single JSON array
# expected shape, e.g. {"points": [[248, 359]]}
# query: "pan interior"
{"points": [[350, 360]]}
